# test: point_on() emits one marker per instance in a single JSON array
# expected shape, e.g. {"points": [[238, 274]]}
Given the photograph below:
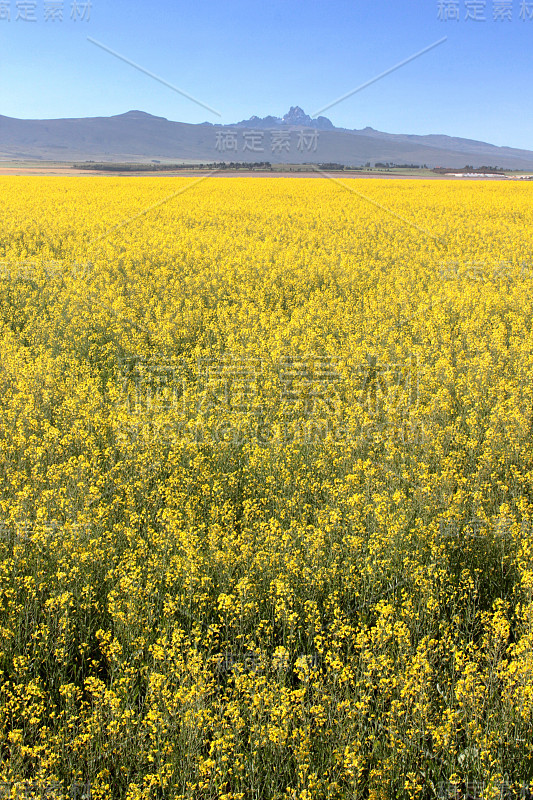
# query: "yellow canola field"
{"points": [[266, 488]]}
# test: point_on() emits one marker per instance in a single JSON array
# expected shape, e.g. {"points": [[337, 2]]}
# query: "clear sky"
{"points": [[242, 57]]}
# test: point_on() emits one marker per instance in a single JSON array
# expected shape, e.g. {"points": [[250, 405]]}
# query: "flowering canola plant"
{"points": [[265, 508]]}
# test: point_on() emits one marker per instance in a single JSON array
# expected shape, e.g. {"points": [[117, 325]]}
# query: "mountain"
{"points": [[294, 138], [294, 118]]}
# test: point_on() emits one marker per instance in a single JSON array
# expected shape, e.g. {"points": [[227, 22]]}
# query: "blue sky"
{"points": [[243, 57]]}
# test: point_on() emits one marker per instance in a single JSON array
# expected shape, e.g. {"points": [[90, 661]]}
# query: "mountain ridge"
{"points": [[294, 138]]}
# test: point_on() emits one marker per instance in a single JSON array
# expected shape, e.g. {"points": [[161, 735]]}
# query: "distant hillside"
{"points": [[295, 138]]}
